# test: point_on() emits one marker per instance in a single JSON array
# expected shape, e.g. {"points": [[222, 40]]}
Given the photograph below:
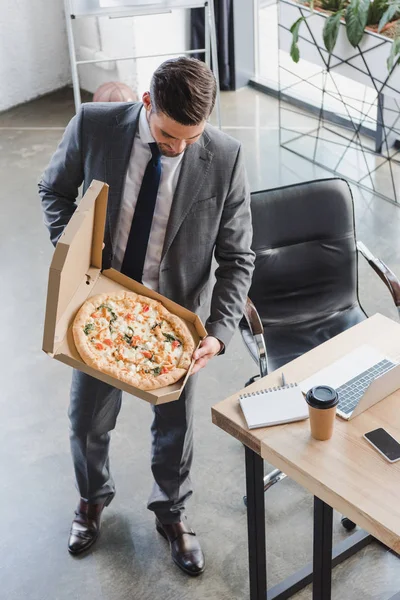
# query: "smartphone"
{"points": [[382, 441]]}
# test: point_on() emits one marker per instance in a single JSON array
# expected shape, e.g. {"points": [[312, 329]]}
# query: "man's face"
{"points": [[172, 138]]}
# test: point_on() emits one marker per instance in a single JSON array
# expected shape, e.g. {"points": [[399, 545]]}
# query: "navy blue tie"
{"points": [[138, 239]]}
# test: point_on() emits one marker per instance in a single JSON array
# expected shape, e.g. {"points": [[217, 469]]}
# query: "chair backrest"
{"points": [[306, 257]]}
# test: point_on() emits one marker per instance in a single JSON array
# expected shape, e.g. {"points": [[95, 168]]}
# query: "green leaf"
{"points": [[332, 5], [128, 336], [388, 15], [88, 328], [113, 315], [157, 370], [295, 52], [356, 20], [169, 337], [294, 30], [394, 57], [376, 10], [331, 30]]}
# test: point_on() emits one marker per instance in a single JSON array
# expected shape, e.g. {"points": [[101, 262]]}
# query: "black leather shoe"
{"points": [[86, 525], [185, 547]]}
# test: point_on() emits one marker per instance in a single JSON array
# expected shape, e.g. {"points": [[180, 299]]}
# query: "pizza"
{"points": [[133, 338]]}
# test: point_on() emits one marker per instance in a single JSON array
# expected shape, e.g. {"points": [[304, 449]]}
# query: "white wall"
{"points": [[33, 50]]}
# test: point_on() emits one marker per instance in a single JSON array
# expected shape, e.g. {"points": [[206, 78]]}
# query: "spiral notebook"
{"points": [[274, 406]]}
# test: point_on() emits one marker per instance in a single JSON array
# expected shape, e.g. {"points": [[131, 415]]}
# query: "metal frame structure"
{"points": [[325, 557], [349, 130], [136, 10]]}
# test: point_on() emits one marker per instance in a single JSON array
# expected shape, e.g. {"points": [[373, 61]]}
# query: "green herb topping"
{"points": [[169, 337], [114, 317], [88, 328], [128, 336]]}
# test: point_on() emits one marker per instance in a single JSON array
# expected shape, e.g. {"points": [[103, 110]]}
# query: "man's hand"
{"points": [[208, 348]]}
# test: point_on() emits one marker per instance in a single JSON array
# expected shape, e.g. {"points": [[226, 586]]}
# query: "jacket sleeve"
{"points": [[59, 185], [234, 256]]}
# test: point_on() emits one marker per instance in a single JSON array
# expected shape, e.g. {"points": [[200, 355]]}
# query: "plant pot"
{"points": [[366, 64], [359, 144], [374, 28]]}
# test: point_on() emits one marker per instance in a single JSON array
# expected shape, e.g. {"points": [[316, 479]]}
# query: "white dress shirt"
{"points": [[170, 169]]}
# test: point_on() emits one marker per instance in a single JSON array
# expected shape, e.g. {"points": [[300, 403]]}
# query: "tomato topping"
{"points": [[128, 316], [99, 346], [147, 354], [136, 339], [146, 307], [175, 343], [95, 315], [108, 342], [164, 370]]}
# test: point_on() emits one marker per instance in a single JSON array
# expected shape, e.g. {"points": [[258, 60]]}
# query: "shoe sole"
{"points": [[182, 568]]}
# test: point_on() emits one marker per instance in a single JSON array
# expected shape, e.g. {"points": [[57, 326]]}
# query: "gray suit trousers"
{"points": [[93, 412]]}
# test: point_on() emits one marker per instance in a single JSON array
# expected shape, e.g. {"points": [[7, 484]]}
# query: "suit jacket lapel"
{"points": [[195, 165], [119, 143]]}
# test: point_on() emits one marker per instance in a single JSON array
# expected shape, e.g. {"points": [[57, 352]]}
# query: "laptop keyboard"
{"points": [[351, 392]]}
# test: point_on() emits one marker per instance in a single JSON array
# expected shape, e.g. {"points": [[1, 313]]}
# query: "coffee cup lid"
{"points": [[322, 396]]}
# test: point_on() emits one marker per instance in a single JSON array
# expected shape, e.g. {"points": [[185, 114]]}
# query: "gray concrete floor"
{"points": [[37, 499]]}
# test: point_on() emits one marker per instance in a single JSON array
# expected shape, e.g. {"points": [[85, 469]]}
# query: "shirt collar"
{"points": [[144, 129]]}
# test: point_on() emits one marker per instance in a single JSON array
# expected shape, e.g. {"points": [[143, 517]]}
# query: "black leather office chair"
{"points": [[305, 282]]}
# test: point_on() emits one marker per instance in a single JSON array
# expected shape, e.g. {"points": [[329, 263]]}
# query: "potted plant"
{"points": [[358, 39], [359, 17]]}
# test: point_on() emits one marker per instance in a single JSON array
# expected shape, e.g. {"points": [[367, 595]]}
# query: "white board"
{"points": [[109, 7]]}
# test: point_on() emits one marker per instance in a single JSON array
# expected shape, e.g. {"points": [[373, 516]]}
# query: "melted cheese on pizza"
{"points": [[134, 336]]}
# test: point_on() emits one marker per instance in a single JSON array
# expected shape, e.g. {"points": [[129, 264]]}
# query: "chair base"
{"points": [[269, 480], [272, 478]]}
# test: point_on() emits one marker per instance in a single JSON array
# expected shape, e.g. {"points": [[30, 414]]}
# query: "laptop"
{"points": [[361, 378]]}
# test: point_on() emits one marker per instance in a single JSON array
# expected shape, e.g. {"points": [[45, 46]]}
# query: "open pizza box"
{"points": [[75, 275]]}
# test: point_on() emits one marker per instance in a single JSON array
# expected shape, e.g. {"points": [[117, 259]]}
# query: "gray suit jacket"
{"points": [[210, 210]]}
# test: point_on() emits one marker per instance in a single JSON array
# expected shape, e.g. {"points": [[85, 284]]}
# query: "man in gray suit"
{"points": [[178, 195]]}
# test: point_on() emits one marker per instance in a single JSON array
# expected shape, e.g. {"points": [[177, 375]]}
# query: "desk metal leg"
{"points": [[320, 571], [256, 525], [322, 560]]}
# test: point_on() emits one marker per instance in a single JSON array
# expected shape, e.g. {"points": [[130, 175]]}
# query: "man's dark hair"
{"points": [[184, 89]]}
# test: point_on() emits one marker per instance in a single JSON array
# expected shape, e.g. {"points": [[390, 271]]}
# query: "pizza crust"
{"points": [[107, 363]]}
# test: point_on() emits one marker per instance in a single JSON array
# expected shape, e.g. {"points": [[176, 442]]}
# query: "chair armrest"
{"points": [[253, 318], [386, 274], [257, 330]]}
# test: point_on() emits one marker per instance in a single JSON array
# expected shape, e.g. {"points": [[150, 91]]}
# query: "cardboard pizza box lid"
{"points": [[77, 258], [75, 275]]}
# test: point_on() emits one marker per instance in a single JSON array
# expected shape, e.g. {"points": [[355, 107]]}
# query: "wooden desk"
{"points": [[344, 473]]}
